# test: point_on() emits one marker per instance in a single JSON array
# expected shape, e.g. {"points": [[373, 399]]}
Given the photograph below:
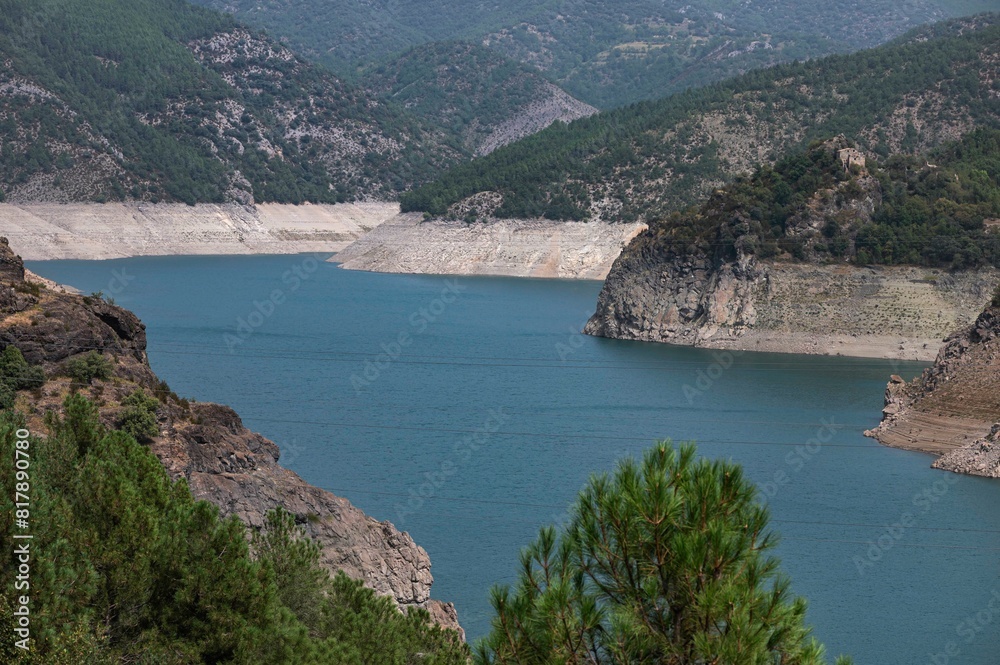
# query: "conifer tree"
{"points": [[666, 562]]}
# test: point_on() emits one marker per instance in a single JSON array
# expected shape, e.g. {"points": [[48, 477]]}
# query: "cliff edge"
{"points": [[224, 463], [953, 408]]}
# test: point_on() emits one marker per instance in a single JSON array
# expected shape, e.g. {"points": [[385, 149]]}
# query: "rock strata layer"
{"points": [[784, 306], [113, 230], [953, 408], [207, 444], [517, 248]]}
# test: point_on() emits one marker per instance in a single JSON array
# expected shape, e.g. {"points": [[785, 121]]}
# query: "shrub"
{"points": [[16, 373], [89, 367], [138, 417]]}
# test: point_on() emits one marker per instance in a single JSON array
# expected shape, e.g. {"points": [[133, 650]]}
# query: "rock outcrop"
{"points": [[224, 463], [783, 306], [953, 408]]}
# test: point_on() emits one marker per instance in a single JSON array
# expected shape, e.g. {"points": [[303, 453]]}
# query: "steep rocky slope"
{"points": [[207, 444], [953, 408]]}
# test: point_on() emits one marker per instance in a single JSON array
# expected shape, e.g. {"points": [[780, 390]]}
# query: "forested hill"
{"points": [[469, 91], [937, 209], [640, 162], [163, 101], [604, 52]]}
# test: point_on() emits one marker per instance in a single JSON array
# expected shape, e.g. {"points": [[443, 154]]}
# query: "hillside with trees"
{"points": [[165, 101], [474, 93], [602, 52], [936, 210], [644, 161]]}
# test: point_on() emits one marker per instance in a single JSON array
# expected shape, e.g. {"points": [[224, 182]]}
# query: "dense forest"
{"points": [[126, 567], [936, 210], [605, 53], [643, 161], [165, 101]]}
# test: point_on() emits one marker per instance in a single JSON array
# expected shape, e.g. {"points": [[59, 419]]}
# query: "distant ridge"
{"points": [[641, 162]]}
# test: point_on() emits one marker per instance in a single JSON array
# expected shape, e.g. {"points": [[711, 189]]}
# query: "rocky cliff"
{"points": [[223, 462], [786, 261], [784, 306], [953, 408]]}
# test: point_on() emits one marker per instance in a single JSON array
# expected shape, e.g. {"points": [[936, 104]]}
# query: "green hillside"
{"points": [[929, 210], [472, 92], [645, 160], [110, 100], [605, 53]]}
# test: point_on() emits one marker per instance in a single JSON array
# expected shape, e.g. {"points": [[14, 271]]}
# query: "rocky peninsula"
{"points": [[802, 258], [953, 408]]}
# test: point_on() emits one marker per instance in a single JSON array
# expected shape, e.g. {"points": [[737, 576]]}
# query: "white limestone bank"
{"points": [[516, 248], [115, 230]]}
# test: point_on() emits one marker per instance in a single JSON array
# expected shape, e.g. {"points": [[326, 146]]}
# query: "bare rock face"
{"points": [[952, 409], [223, 462], [676, 297]]}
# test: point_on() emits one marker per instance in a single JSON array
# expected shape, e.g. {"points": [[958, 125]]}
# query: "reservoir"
{"points": [[469, 411]]}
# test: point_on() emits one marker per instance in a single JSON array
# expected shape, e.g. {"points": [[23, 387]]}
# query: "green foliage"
{"points": [[654, 157], [294, 560], [466, 89], [132, 104], [928, 211], [138, 416], [128, 567], [92, 366], [667, 561], [16, 374], [934, 209], [606, 52]]}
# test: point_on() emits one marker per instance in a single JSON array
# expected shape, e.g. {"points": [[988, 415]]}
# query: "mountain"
{"points": [[477, 94], [643, 161], [605, 52], [825, 252], [164, 101]]}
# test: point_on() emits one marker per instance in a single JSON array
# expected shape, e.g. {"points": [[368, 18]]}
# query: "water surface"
{"points": [[373, 385]]}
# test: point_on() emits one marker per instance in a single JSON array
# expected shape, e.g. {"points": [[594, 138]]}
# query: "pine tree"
{"points": [[665, 562]]}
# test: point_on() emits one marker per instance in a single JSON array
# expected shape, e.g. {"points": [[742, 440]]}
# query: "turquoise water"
{"points": [[285, 341]]}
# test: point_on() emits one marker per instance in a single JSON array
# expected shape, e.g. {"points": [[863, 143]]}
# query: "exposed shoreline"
{"points": [[97, 231], [502, 247]]}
